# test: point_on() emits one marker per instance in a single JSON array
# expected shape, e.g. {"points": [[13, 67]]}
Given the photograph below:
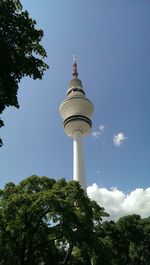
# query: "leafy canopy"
{"points": [[42, 220], [21, 53]]}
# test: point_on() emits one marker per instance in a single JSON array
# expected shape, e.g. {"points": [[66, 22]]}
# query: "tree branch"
{"points": [[67, 256]]}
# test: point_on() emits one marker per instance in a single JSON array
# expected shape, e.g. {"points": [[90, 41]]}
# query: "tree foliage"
{"points": [[42, 220], [21, 53], [128, 240]]}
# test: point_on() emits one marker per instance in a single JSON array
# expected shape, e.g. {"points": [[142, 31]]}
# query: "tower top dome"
{"points": [[75, 84]]}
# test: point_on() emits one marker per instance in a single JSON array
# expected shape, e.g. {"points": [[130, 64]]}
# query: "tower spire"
{"points": [[75, 70]]}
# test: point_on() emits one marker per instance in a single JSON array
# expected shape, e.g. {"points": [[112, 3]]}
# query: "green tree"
{"points": [[21, 53], [42, 220], [139, 250], [132, 233], [127, 241]]}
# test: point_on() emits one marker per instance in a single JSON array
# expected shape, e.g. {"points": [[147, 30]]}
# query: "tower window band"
{"points": [[76, 90], [77, 118]]}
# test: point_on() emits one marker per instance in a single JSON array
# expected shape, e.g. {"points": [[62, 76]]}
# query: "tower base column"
{"points": [[78, 160]]}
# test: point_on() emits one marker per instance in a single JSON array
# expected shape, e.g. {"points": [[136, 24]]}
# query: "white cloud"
{"points": [[100, 130], [101, 127], [118, 139], [96, 134], [118, 204]]}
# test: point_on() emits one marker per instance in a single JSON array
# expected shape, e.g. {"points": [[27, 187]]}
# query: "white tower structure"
{"points": [[76, 111]]}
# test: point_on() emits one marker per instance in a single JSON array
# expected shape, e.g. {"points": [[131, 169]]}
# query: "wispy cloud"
{"points": [[117, 203], [119, 138], [96, 134], [100, 130]]}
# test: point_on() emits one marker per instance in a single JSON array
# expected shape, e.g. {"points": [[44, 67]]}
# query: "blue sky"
{"points": [[112, 43]]}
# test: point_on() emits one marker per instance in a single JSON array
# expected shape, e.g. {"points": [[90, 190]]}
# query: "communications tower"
{"points": [[76, 111]]}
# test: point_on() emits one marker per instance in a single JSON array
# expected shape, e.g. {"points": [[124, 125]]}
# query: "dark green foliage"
{"points": [[21, 53], [42, 220], [127, 241]]}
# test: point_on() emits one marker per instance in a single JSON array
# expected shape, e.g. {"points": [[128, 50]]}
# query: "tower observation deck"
{"points": [[76, 111]]}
